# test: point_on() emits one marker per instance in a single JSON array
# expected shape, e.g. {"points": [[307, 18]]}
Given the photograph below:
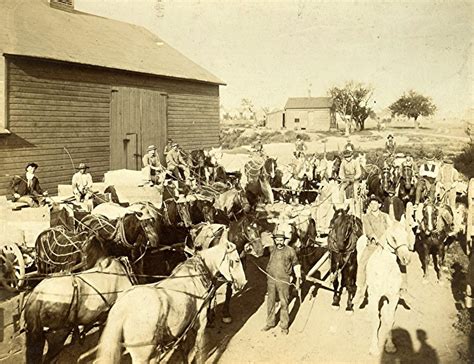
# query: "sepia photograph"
{"points": [[236, 181]]}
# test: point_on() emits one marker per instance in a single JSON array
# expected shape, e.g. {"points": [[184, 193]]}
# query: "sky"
{"points": [[268, 51]]}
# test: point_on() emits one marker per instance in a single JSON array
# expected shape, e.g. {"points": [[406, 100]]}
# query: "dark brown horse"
{"points": [[406, 185], [433, 236], [345, 230]]}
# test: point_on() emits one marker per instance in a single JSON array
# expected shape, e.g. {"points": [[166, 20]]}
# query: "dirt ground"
{"points": [[318, 334]]}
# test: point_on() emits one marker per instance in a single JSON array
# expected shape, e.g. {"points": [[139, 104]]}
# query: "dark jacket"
{"points": [[398, 206], [20, 185]]}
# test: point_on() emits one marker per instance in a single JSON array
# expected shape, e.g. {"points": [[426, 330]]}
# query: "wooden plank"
{"points": [[53, 87], [74, 102], [55, 119], [41, 98], [57, 114], [103, 109], [59, 91]]}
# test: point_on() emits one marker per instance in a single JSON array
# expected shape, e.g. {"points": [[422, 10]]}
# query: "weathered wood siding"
{"points": [[52, 105]]}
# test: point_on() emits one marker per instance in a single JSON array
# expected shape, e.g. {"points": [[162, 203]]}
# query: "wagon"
{"points": [[470, 216]]}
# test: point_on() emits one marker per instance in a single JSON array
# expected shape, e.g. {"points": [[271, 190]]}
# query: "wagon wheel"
{"points": [[13, 263], [372, 170]]}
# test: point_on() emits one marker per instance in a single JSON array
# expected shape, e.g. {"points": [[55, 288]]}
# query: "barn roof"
{"points": [[308, 103], [32, 28]]}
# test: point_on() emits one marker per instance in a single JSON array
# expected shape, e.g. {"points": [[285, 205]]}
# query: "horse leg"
{"points": [[351, 272], [201, 339], [425, 256], [436, 263], [337, 293], [55, 341], [388, 319], [35, 340], [373, 309], [227, 318]]}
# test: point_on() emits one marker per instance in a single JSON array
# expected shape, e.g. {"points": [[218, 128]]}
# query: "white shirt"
{"points": [[429, 169], [81, 182]]}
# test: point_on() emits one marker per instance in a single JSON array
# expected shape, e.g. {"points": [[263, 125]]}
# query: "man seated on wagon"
{"points": [[428, 175], [176, 164], [82, 184], [350, 173], [26, 189], [152, 167]]}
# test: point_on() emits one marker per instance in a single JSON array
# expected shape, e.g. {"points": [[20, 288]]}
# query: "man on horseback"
{"points": [[390, 145], [283, 261], [427, 182], [447, 181], [350, 173], [300, 146]]}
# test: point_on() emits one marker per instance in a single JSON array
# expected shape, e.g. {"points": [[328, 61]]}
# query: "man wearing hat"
{"points": [[82, 183], [374, 225], [168, 147], [175, 162], [282, 263], [428, 173], [350, 173], [448, 178], [257, 146], [151, 166], [390, 145], [300, 146], [393, 205], [27, 189]]}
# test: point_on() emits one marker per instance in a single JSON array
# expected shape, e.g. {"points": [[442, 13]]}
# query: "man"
{"points": [[448, 178], [168, 147], [27, 189], [283, 261], [374, 225], [175, 162], [393, 205], [350, 173], [300, 146], [151, 166], [257, 146], [390, 145], [428, 176], [82, 184]]}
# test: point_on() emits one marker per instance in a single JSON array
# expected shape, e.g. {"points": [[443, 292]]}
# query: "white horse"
{"points": [[153, 320], [384, 281], [329, 198], [58, 305]]}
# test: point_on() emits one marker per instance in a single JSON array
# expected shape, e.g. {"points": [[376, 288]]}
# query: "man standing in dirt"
{"points": [[283, 261]]}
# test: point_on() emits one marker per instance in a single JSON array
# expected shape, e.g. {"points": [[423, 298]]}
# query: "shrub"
{"points": [[464, 162]]}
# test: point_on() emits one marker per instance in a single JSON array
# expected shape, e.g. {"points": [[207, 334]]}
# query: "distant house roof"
{"points": [[32, 28], [308, 103]]}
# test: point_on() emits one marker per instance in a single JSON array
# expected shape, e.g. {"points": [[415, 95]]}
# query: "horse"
{"points": [[345, 230], [384, 281], [258, 173], [197, 165], [379, 184], [61, 304], [406, 185], [245, 234], [153, 321], [435, 226], [60, 250], [309, 190]]}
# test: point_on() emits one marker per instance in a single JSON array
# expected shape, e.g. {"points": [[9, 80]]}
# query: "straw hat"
{"points": [[82, 166]]}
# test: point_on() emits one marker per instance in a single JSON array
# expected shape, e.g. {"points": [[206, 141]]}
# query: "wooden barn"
{"points": [[93, 88], [304, 113]]}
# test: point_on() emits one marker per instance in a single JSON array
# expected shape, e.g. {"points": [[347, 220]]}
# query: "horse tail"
{"points": [[35, 337], [110, 344]]}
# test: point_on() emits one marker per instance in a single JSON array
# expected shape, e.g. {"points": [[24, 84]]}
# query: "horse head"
{"points": [[270, 167], [400, 240], [336, 165], [430, 217], [406, 176], [227, 260], [344, 230], [386, 179]]}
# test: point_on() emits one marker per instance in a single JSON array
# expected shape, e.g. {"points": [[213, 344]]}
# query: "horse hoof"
{"points": [[227, 320], [335, 308], [349, 312]]}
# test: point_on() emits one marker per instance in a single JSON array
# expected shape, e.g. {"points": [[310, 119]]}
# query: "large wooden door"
{"points": [[138, 119]]}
